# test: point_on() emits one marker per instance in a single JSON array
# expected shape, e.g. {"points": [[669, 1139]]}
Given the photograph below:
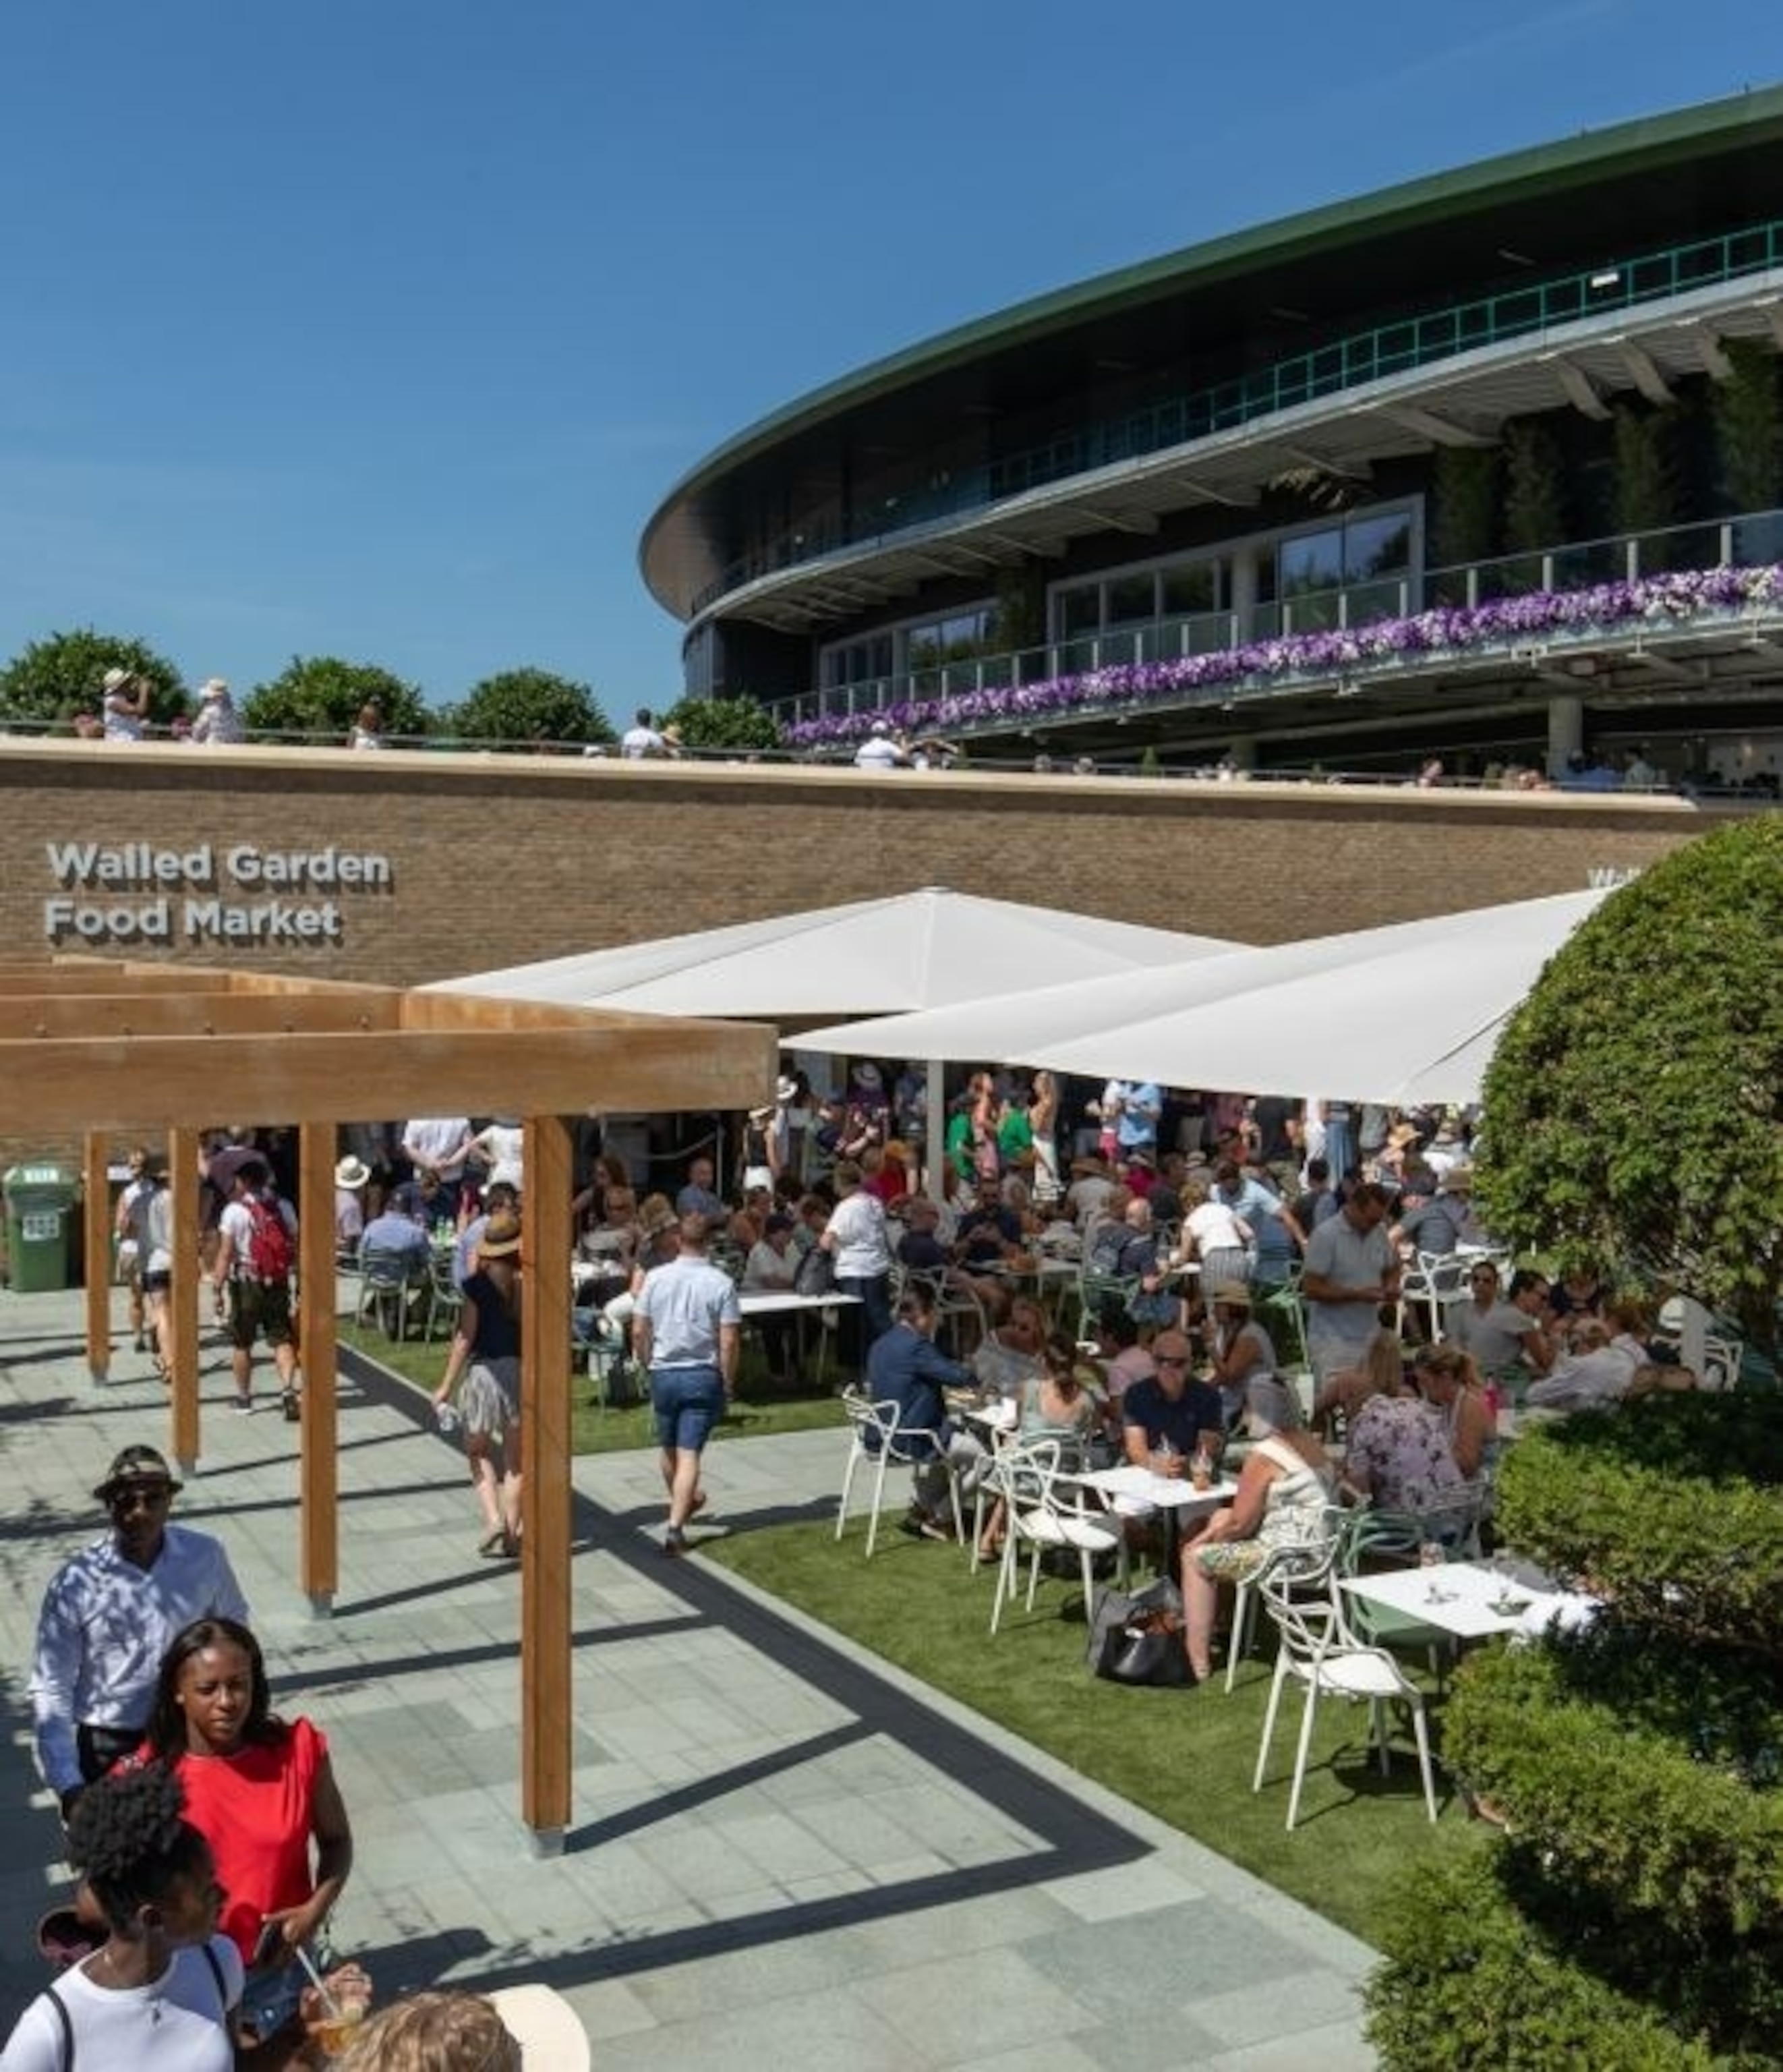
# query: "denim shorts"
{"points": [[688, 1401]]}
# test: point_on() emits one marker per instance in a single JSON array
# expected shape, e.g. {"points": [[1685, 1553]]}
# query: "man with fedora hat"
{"points": [[109, 1615]]}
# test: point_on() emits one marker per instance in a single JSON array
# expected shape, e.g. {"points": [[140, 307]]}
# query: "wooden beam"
{"points": [[25, 1015], [545, 1660], [182, 1298], [97, 1253], [446, 1012], [318, 1528], [72, 980], [124, 1082]]}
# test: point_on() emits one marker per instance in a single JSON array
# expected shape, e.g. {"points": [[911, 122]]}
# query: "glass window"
{"points": [[1374, 547], [1078, 611], [1314, 561], [1132, 600], [1186, 591]]}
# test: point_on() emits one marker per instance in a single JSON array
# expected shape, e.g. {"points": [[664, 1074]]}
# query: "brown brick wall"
{"points": [[499, 860]]}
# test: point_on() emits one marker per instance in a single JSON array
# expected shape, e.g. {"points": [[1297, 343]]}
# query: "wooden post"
{"points": [[98, 1257], [319, 1527], [182, 1164], [545, 1490]]}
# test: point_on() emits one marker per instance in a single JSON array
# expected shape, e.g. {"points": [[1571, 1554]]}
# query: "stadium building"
{"points": [[1486, 467]]}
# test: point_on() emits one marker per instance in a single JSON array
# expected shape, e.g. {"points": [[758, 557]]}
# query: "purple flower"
{"points": [[1444, 630]]}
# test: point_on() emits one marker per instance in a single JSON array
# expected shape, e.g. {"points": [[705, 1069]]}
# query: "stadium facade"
{"points": [[1487, 466]]}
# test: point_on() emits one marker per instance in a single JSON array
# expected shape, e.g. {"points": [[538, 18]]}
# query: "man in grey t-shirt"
{"points": [[1351, 1270], [687, 1330]]}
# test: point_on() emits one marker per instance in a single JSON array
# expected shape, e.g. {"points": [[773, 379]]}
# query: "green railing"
{"points": [[1751, 540], [1389, 349]]}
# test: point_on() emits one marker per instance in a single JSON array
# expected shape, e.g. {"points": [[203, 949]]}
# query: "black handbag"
{"points": [[815, 1274], [1136, 1637]]}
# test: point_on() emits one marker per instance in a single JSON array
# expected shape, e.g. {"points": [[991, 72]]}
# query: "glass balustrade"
{"points": [[1754, 539]]}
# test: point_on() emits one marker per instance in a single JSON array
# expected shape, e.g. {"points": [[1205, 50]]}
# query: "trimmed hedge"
{"points": [[1474, 1984], [1633, 1918], [1672, 1506], [1613, 1802]]}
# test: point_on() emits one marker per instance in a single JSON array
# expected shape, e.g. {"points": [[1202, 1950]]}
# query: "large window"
{"points": [[1366, 558]]}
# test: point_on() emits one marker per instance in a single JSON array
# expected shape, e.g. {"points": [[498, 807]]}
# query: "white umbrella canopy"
{"points": [[873, 956], [1403, 1013], [912, 950]]}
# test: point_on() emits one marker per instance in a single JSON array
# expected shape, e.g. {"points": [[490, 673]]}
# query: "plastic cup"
{"points": [[347, 2002]]}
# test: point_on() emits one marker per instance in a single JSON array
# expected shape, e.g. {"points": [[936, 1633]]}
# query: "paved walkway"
{"points": [[784, 1853]]}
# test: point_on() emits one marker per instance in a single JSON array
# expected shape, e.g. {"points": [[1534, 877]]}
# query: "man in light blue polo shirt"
{"points": [[687, 1330]]}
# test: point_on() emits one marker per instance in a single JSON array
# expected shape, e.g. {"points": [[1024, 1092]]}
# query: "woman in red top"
{"points": [[261, 1791]]}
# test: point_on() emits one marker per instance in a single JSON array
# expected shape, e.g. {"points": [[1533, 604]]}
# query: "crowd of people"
{"points": [[209, 1836]]}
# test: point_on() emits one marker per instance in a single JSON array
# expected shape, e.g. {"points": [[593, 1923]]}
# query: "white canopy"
{"points": [[913, 950], [873, 956], [1404, 1013]]}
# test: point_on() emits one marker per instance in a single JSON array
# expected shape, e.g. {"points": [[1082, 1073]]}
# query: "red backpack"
{"points": [[271, 1255]]}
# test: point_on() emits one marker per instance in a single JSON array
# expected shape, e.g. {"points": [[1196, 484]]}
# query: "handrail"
{"points": [[1400, 346], [1749, 540]]}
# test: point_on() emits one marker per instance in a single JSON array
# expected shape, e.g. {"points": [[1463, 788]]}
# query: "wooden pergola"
{"points": [[94, 1049]]}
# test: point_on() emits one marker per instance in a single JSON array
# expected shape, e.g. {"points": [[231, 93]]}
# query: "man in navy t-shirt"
{"points": [[1167, 1413]]}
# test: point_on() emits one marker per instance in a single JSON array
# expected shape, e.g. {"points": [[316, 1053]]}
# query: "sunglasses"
{"points": [[152, 1496]]}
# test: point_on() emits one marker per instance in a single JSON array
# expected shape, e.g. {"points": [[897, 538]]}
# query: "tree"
{"points": [[528, 707], [1748, 412], [320, 695], [1535, 512], [1631, 1917], [1465, 487], [737, 722], [1644, 480], [1634, 1107], [53, 679]]}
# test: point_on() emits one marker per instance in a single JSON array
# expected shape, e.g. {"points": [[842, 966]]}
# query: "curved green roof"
{"points": [[1644, 146]]}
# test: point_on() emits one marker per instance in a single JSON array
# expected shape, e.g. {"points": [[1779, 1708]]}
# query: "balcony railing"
{"points": [[1752, 541], [1398, 347]]}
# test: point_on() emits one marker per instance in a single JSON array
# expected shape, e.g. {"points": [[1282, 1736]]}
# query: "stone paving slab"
{"points": [[761, 1870]]}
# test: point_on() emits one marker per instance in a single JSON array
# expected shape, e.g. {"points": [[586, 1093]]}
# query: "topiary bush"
{"points": [[1634, 1104], [1632, 1914], [1478, 1981]]}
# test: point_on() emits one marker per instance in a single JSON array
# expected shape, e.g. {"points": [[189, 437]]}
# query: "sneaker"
{"points": [[245, 1405], [675, 1540], [932, 1528]]}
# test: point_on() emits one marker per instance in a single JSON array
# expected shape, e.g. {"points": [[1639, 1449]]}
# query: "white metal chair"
{"points": [[1043, 1513], [1310, 1568], [395, 1291], [877, 1438], [1317, 1651], [1373, 1540], [1431, 1282]]}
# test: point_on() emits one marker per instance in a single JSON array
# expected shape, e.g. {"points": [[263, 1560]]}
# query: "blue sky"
{"points": [[380, 327]]}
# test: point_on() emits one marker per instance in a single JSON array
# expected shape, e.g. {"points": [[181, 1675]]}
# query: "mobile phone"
{"points": [[267, 1944]]}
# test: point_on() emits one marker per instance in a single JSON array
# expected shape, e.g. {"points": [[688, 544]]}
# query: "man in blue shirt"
{"points": [[905, 1369], [1164, 1418]]}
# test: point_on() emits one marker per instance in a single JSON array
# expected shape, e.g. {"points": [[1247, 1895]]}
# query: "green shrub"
{"points": [[1472, 1983], [1615, 1801], [1672, 1507]]}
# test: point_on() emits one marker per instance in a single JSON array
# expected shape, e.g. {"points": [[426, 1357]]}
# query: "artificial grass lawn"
{"points": [[757, 1409], [1185, 1756]]}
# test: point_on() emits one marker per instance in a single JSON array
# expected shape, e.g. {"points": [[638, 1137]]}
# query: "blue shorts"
{"points": [[688, 1401]]}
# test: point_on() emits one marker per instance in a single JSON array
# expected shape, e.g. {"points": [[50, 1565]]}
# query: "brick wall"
{"points": [[495, 861]]}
